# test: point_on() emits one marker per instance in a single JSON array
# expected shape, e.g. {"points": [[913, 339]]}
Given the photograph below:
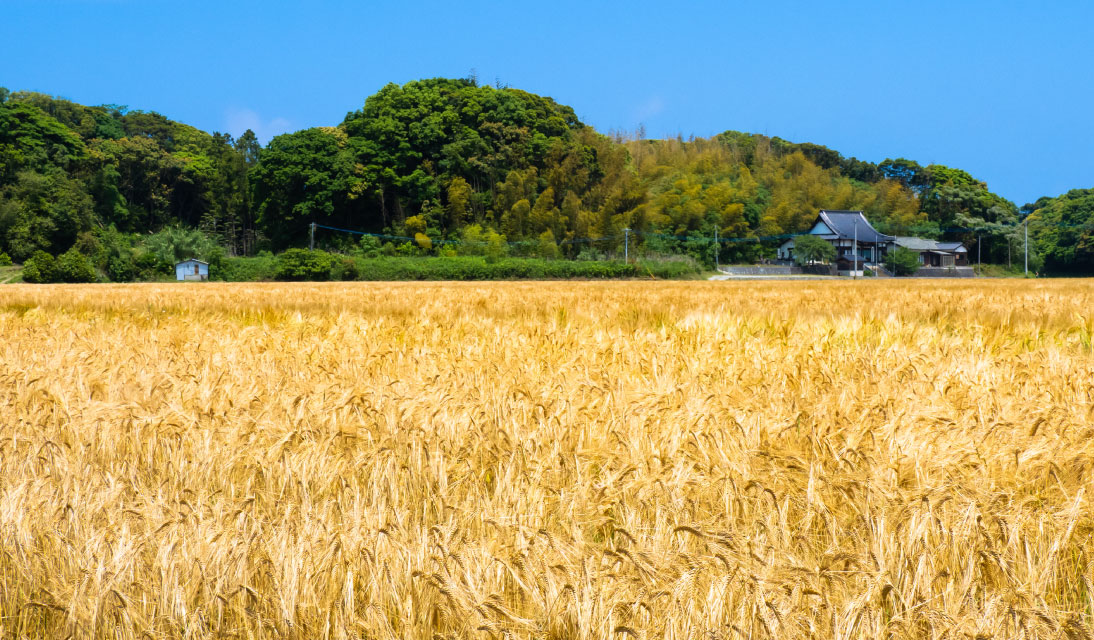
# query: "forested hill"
{"points": [[444, 161]]}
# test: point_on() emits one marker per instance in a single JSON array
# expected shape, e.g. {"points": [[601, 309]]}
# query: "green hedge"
{"points": [[459, 268], [256, 269], [475, 268]]}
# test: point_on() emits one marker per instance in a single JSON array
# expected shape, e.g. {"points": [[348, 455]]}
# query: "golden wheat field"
{"points": [[547, 460]]}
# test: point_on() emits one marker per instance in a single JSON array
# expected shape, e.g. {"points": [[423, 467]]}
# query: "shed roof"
{"points": [[192, 260], [845, 223], [916, 244], [923, 244]]}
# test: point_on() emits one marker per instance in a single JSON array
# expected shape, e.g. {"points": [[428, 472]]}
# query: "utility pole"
{"points": [[979, 240], [627, 244], [854, 250], [1026, 243], [716, 265], [311, 233]]}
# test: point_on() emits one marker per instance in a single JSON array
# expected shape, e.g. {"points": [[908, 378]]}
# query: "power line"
{"points": [[696, 237]]}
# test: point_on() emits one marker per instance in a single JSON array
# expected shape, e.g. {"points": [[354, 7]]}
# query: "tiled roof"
{"points": [[923, 244], [844, 224], [916, 244]]}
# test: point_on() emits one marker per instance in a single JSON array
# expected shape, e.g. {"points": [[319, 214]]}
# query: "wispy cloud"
{"points": [[237, 120]]}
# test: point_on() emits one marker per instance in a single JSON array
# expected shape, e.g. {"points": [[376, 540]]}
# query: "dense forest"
{"points": [[443, 166]]}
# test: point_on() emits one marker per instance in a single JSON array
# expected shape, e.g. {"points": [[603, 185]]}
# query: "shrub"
{"points": [[110, 245], [70, 266], [669, 268], [121, 269], [251, 269], [591, 253], [902, 261], [345, 269], [38, 268], [303, 264], [471, 241], [496, 246], [415, 225], [148, 266], [73, 266], [369, 246], [546, 247], [5, 259]]}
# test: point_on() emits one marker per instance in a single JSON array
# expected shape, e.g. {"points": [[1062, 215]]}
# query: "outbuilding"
{"points": [[192, 269], [933, 253]]}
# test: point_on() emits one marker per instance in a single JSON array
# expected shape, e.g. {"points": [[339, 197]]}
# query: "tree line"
{"points": [[450, 163]]}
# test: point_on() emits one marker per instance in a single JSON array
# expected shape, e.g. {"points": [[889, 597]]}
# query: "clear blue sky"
{"points": [[1004, 90]]}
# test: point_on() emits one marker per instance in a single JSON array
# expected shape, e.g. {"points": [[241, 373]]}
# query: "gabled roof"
{"points": [[923, 244], [192, 260], [845, 223]]}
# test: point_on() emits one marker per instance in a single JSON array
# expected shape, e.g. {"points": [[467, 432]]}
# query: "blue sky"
{"points": [[1004, 90]]}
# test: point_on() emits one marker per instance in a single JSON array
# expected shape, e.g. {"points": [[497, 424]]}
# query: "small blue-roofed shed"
{"points": [[192, 270]]}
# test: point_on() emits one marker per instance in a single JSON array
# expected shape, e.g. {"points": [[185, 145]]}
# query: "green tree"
{"points": [[515, 221], [545, 216], [43, 211], [304, 177], [810, 248], [902, 261], [302, 264], [175, 244], [248, 147], [73, 266], [38, 268], [496, 246], [30, 139], [369, 246], [1061, 230], [413, 140], [546, 247], [907, 172], [459, 202]]}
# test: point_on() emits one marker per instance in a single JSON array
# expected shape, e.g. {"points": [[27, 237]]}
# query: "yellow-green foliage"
{"points": [[547, 460]]}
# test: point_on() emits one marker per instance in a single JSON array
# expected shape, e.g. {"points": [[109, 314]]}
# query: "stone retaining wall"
{"points": [[945, 272], [767, 270]]}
